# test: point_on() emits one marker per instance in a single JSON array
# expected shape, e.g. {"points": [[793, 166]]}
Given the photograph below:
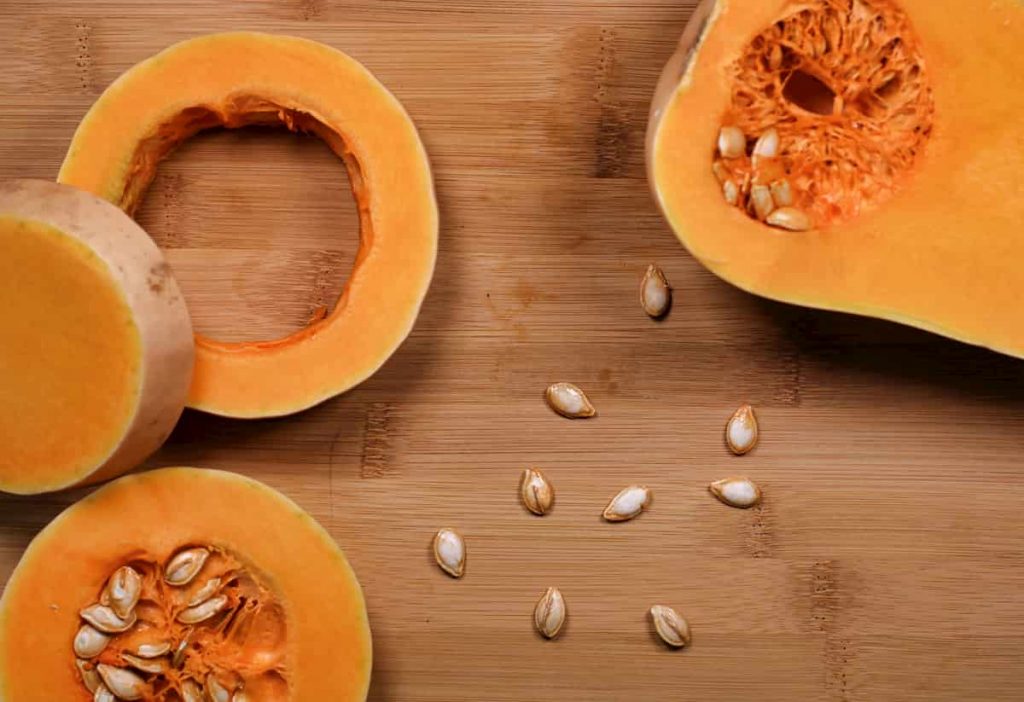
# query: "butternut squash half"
{"points": [[96, 343], [244, 78], [855, 155], [184, 585]]}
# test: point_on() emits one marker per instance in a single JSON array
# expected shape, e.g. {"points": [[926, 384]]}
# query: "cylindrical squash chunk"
{"points": [[95, 340], [184, 584], [243, 78]]}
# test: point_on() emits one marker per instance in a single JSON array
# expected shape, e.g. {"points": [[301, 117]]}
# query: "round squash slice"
{"points": [[184, 585], [856, 155], [238, 79], [96, 349]]}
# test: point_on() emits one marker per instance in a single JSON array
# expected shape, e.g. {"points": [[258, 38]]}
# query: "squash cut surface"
{"points": [[96, 354], [895, 136], [239, 79], [291, 625]]}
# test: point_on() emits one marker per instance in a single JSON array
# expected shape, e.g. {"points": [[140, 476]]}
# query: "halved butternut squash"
{"points": [[180, 585], [244, 78], [855, 155], [96, 348]]}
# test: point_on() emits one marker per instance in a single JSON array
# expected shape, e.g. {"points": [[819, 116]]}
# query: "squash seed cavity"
{"points": [[831, 107], [173, 629]]}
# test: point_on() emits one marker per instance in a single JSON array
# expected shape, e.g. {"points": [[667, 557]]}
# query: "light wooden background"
{"points": [[887, 562]]}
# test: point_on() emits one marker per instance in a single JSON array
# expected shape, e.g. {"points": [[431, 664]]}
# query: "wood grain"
{"points": [[886, 562]]}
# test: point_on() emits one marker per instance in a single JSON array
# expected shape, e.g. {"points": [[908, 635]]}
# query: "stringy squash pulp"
{"points": [[856, 155]]}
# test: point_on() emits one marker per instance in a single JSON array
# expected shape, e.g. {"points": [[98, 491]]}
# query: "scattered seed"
{"points": [[775, 57], [741, 432], [671, 627], [146, 665], [185, 565], [102, 694], [767, 145], [630, 502], [125, 684], [569, 401], [731, 142], [450, 552], [782, 193], [122, 591], [736, 492], [549, 614], [761, 200], [789, 218], [204, 611], [536, 491], [731, 192], [179, 653], [191, 692], [205, 592], [90, 678], [152, 650], [655, 293], [106, 620]]}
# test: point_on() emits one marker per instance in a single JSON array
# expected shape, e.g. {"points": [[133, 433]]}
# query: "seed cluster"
{"points": [[537, 494]]}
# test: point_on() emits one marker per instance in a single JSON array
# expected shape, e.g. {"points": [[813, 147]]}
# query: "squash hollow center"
{"points": [[830, 109], [253, 219]]}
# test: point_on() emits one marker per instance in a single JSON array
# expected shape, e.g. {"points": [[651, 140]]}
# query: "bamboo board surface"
{"points": [[886, 562]]}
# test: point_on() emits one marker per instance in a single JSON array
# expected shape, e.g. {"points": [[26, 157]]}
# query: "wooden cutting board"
{"points": [[887, 562]]}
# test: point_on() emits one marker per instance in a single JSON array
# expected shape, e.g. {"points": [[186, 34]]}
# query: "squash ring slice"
{"points": [[245, 78]]}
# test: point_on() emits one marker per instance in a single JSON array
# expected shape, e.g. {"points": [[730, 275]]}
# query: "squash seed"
{"points": [[122, 591], [152, 650], [240, 696], [655, 293], [671, 627], [185, 565], [106, 620], [549, 614], [201, 612], [89, 642], [569, 401], [90, 678], [731, 192], [741, 432], [736, 492], [146, 665], [718, 168], [205, 592], [789, 218], [630, 502], [125, 684], [216, 690], [767, 145], [179, 653], [731, 142], [102, 694], [761, 201], [450, 552], [191, 692], [782, 193], [536, 491], [775, 57]]}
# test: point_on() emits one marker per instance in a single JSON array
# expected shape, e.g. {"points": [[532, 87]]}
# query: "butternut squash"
{"points": [[96, 352], [184, 584], [855, 155], [243, 78]]}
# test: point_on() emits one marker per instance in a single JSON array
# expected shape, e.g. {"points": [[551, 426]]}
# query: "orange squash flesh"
{"points": [[941, 251], [327, 648], [95, 349], [244, 78]]}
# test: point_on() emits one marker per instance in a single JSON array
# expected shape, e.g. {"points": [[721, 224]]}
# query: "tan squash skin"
{"points": [[157, 307], [943, 253], [328, 653], [242, 78]]}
